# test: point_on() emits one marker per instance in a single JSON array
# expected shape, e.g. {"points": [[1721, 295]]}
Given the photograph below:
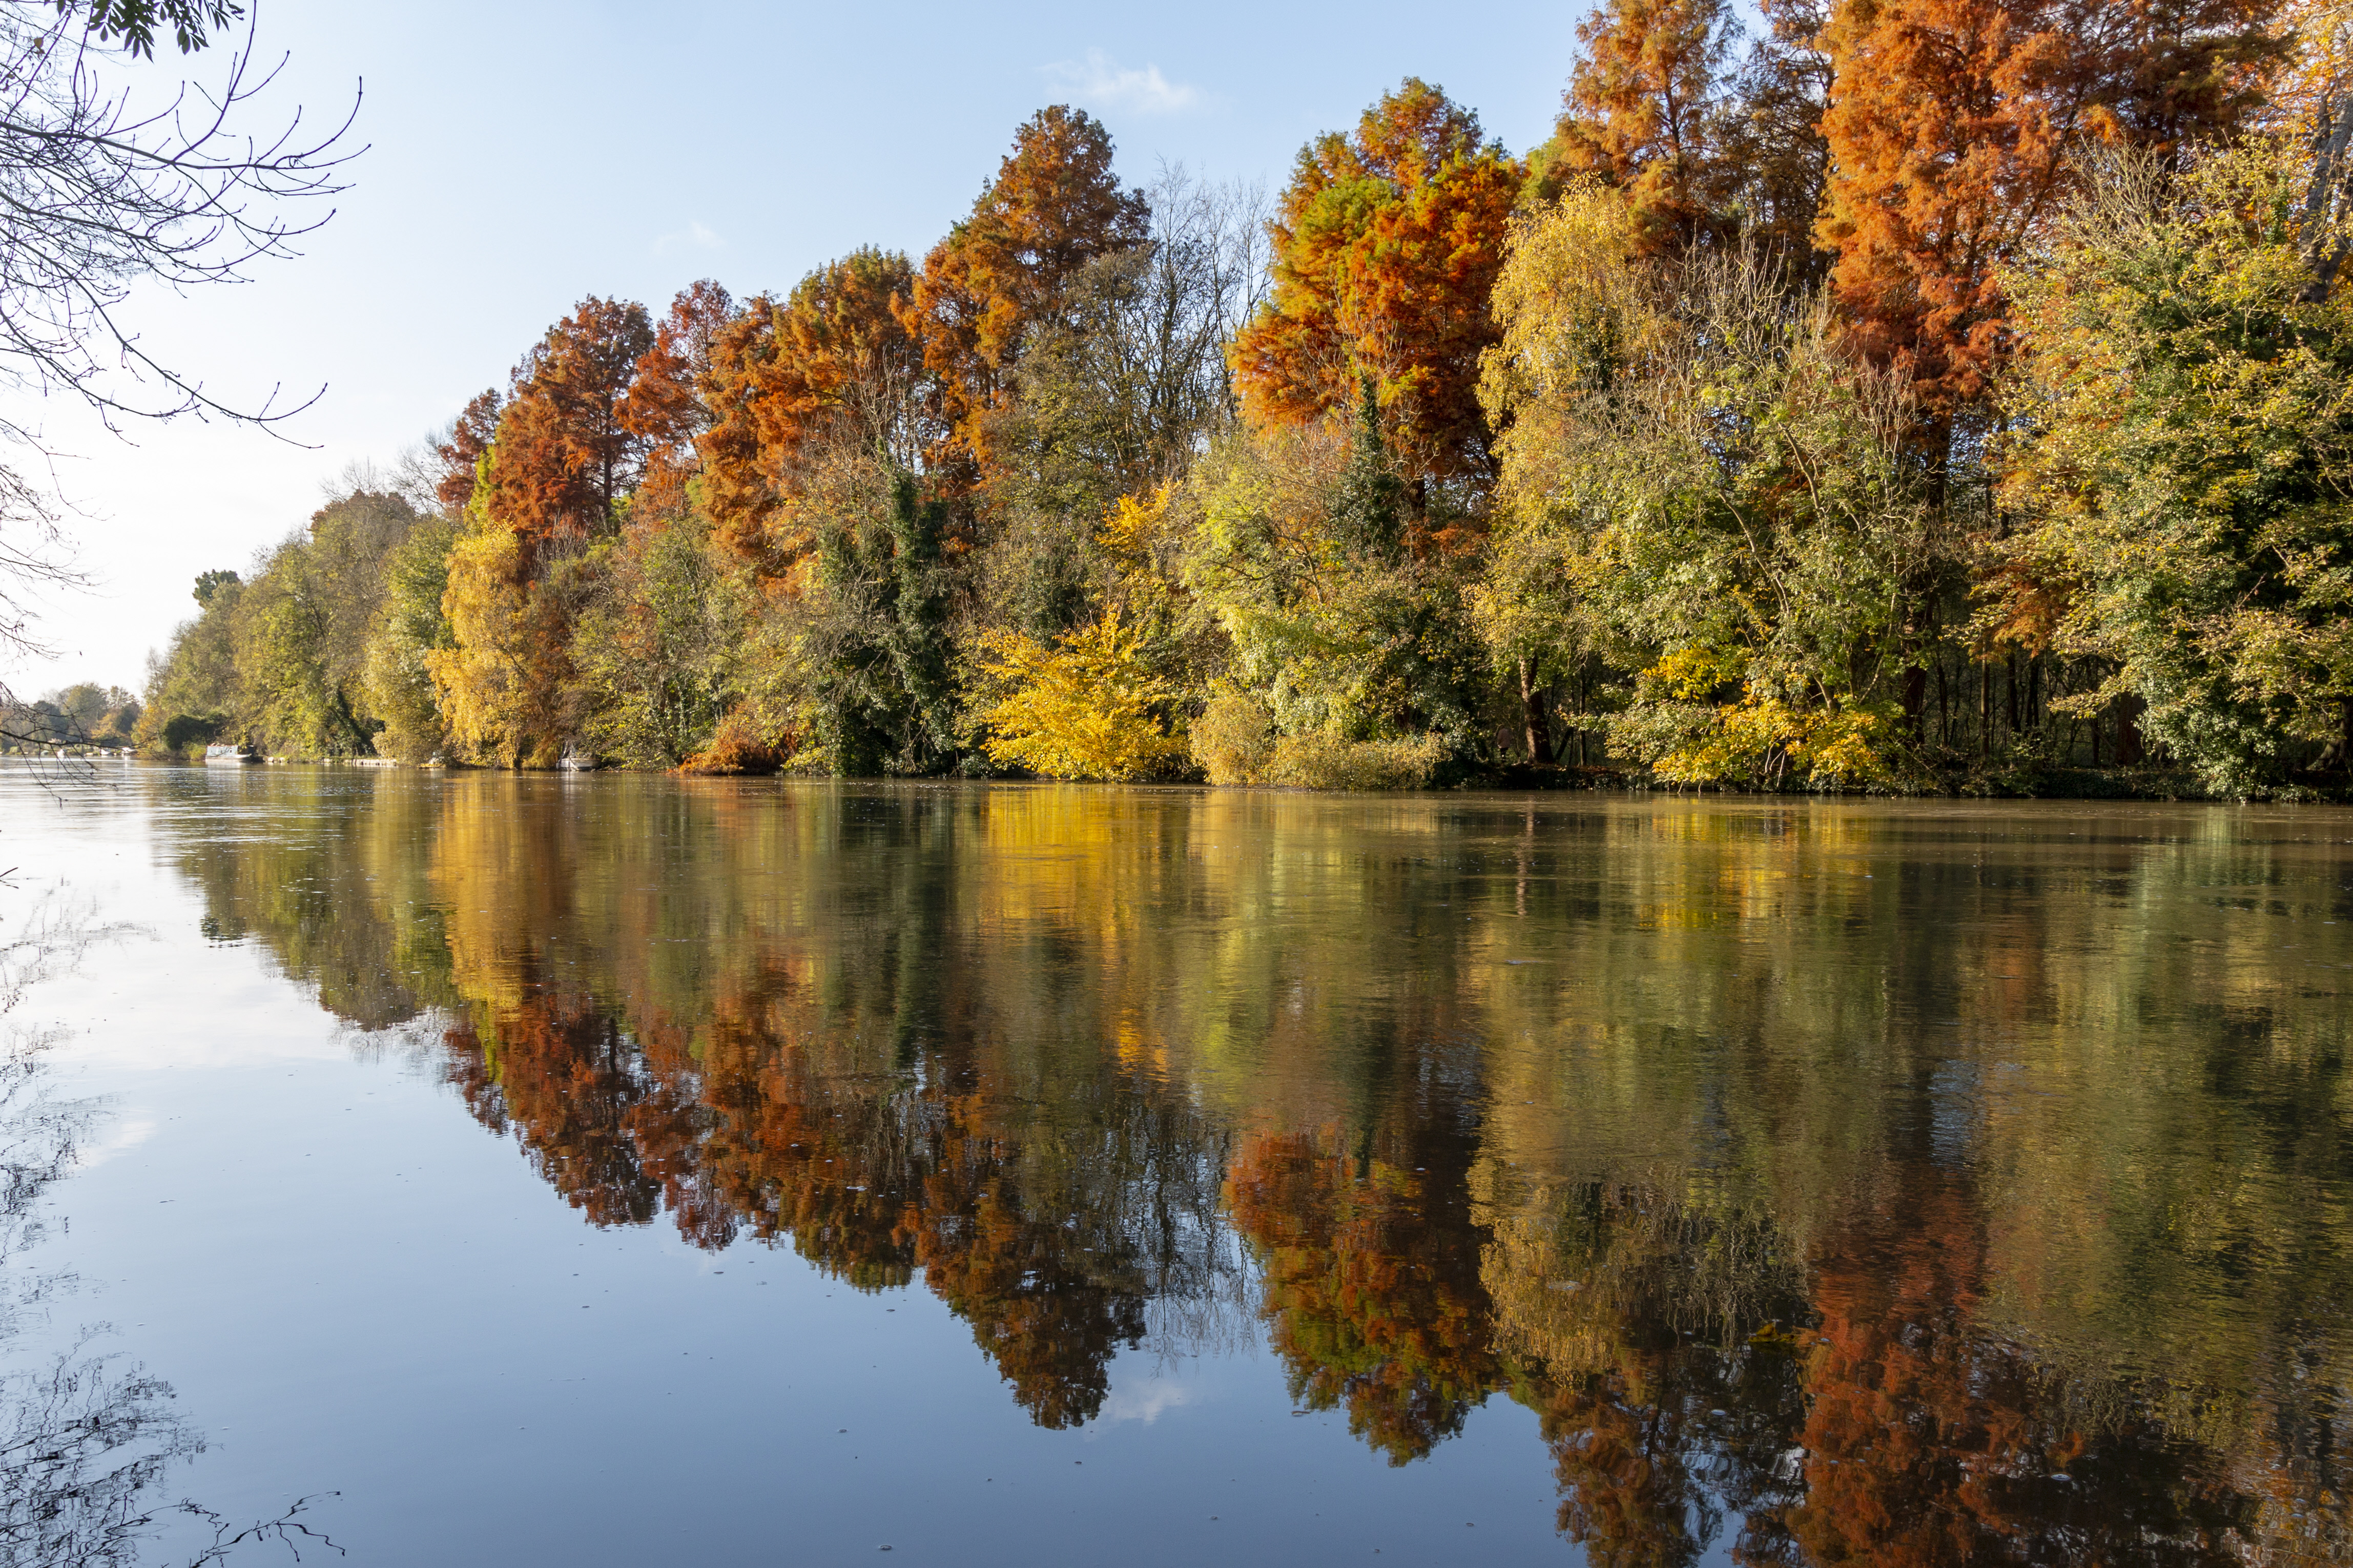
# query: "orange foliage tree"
{"points": [[1645, 113], [565, 453], [1950, 125], [830, 368], [1054, 207], [1374, 1300], [1386, 246]]}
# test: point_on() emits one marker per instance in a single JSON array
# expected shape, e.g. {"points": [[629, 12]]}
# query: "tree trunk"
{"points": [[2128, 712], [1532, 714], [1985, 707]]}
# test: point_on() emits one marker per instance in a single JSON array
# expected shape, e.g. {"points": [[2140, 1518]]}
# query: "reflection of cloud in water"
{"points": [[1144, 1402], [125, 1136]]}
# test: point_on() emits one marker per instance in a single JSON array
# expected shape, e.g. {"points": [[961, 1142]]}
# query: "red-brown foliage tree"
{"points": [[469, 440], [563, 455], [663, 408]]}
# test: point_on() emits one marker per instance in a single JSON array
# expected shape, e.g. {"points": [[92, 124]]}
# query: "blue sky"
{"points": [[522, 155]]}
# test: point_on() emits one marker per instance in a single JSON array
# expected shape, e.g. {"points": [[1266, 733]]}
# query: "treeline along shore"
{"points": [[1936, 395]]}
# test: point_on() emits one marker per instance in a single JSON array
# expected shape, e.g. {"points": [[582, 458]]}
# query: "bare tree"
{"points": [[103, 191]]}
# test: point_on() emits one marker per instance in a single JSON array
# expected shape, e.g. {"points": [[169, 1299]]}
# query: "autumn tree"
{"points": [[1124, 374], [2187, 456], [664, 408], [565, 451], [1088, 709], [1647, 111], [1723, 491], [1123, 382], [1054, 207], [1354, 648], [1385, 247], [798, 388], [1951, 126], [409, 622], [461, 450], [660, 648]]}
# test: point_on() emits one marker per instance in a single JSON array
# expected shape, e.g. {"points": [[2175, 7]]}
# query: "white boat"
{"points": [[226, 756]]}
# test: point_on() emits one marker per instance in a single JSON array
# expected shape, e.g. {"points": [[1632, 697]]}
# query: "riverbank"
{"points": [[2001, 779]]}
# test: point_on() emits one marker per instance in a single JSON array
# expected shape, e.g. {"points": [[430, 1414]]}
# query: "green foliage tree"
{"points": [[877, 658], [659, 650], [194, 691], [409, 624], [1726, 491], [2186, 455], [1349, 638]]}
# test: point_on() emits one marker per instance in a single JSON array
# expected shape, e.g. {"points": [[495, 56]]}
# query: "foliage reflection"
{"points": [[1907, 1186]]}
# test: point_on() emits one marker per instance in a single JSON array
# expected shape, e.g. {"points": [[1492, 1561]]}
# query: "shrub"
{"points": [[735, 748], [1321, 760], [1234, 738]]}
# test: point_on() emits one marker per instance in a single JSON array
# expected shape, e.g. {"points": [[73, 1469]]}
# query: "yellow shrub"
{"points": [[1081, 710]]}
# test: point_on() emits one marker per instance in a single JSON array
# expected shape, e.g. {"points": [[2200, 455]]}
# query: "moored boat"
{"points": [[229, 756]]}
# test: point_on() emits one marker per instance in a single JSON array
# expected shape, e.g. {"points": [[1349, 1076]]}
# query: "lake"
{"points": [[628, 1169]]}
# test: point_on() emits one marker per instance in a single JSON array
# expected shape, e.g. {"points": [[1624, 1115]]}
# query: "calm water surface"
{"points": [[621, 1170]]}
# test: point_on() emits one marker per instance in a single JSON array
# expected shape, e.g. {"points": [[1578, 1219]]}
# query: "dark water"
{"points": [[627, 1170]]}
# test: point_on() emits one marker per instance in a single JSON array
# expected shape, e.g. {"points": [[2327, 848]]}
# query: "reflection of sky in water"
{"points": [[1806, 1102]]}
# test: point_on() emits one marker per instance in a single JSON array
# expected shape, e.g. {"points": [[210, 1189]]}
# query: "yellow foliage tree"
{"points": [[1081, 710], [485, 683]]}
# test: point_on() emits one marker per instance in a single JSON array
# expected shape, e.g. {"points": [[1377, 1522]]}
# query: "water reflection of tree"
{"points": [[1372, 1285], [1841, 1289], [85, 1440], [1050, 1242], [1929, 1442]]}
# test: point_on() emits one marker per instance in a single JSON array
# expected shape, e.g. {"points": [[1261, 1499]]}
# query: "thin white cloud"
{"points": [[693, 236], [1101, 83]]}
